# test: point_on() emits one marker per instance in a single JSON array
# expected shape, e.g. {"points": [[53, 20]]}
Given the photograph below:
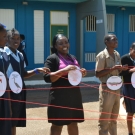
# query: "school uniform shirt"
{"points": [[126, 59], [5, 125], [18, 108], [105, 61], [23, 45], [4, 60], [127, 89], [21, 48], [16, 57]]}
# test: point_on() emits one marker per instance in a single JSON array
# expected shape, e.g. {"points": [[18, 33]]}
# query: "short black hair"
{"points": [[22, 36], [108, 37], [2, 28], [133, 46], [55, 38]]}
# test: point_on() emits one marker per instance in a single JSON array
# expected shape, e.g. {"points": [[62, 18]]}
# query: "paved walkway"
{"points": [[40, 126]]}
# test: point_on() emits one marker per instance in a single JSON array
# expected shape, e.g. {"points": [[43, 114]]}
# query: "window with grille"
{"points": [[110, 22], [91, 23], [132, 23], [90, 57]]}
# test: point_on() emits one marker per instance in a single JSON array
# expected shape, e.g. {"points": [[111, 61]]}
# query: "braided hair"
{"points": [[12, 32]]}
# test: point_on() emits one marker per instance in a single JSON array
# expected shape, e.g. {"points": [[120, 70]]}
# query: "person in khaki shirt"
{"points": [[108, 63]]}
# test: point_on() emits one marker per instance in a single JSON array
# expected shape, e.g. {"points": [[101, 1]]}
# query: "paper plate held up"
{"points": [[3, 84], [133, 79], [75, 76], [114, 82], [15, 82]]}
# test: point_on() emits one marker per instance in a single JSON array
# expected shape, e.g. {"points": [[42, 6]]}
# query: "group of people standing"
{"points": [[65, 101], [109, 63], [56, 70], [12, 105]]}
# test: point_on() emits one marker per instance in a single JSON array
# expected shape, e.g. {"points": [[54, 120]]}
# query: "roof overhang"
{"points": [[65, 1], [130, 3]]}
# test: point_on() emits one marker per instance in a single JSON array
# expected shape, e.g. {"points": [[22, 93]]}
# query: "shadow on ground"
{"points": [[37, 96]]}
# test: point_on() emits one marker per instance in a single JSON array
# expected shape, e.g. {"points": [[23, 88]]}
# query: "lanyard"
{"points": [[65, 61]]}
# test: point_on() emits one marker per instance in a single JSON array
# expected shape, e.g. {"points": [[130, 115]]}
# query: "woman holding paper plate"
{"points": [[129, 86], [64, 95]]}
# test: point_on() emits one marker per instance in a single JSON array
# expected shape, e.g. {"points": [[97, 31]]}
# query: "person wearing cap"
{"points": [[108, 63], [65, 101]]}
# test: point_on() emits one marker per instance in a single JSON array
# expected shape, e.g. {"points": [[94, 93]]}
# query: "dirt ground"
{"points": [[37, 124]]}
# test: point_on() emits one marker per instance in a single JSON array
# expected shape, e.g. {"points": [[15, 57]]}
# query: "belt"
{"points": [[103, 84]]}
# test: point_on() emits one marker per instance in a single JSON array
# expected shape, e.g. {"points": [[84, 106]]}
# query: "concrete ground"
{"points": [[37, 98]]}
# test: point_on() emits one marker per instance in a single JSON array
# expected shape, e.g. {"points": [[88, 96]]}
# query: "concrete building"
{"points": [[85, 22]]}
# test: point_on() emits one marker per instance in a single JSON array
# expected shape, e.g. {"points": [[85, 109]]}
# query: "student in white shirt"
{"points": [[17, 64], [5, 108]]}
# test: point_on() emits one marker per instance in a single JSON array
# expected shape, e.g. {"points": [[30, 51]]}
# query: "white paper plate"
{"points": [[133, 79], [114, 82], [75, 76], [15, 82], [3, 84]]}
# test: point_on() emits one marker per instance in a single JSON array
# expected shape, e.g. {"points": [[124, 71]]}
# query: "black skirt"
{"points": [[19, 109], [5, 124], [65, 106], [129, 91]]}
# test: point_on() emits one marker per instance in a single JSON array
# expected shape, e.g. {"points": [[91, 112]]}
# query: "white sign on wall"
{"points": [[99, 21]]}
